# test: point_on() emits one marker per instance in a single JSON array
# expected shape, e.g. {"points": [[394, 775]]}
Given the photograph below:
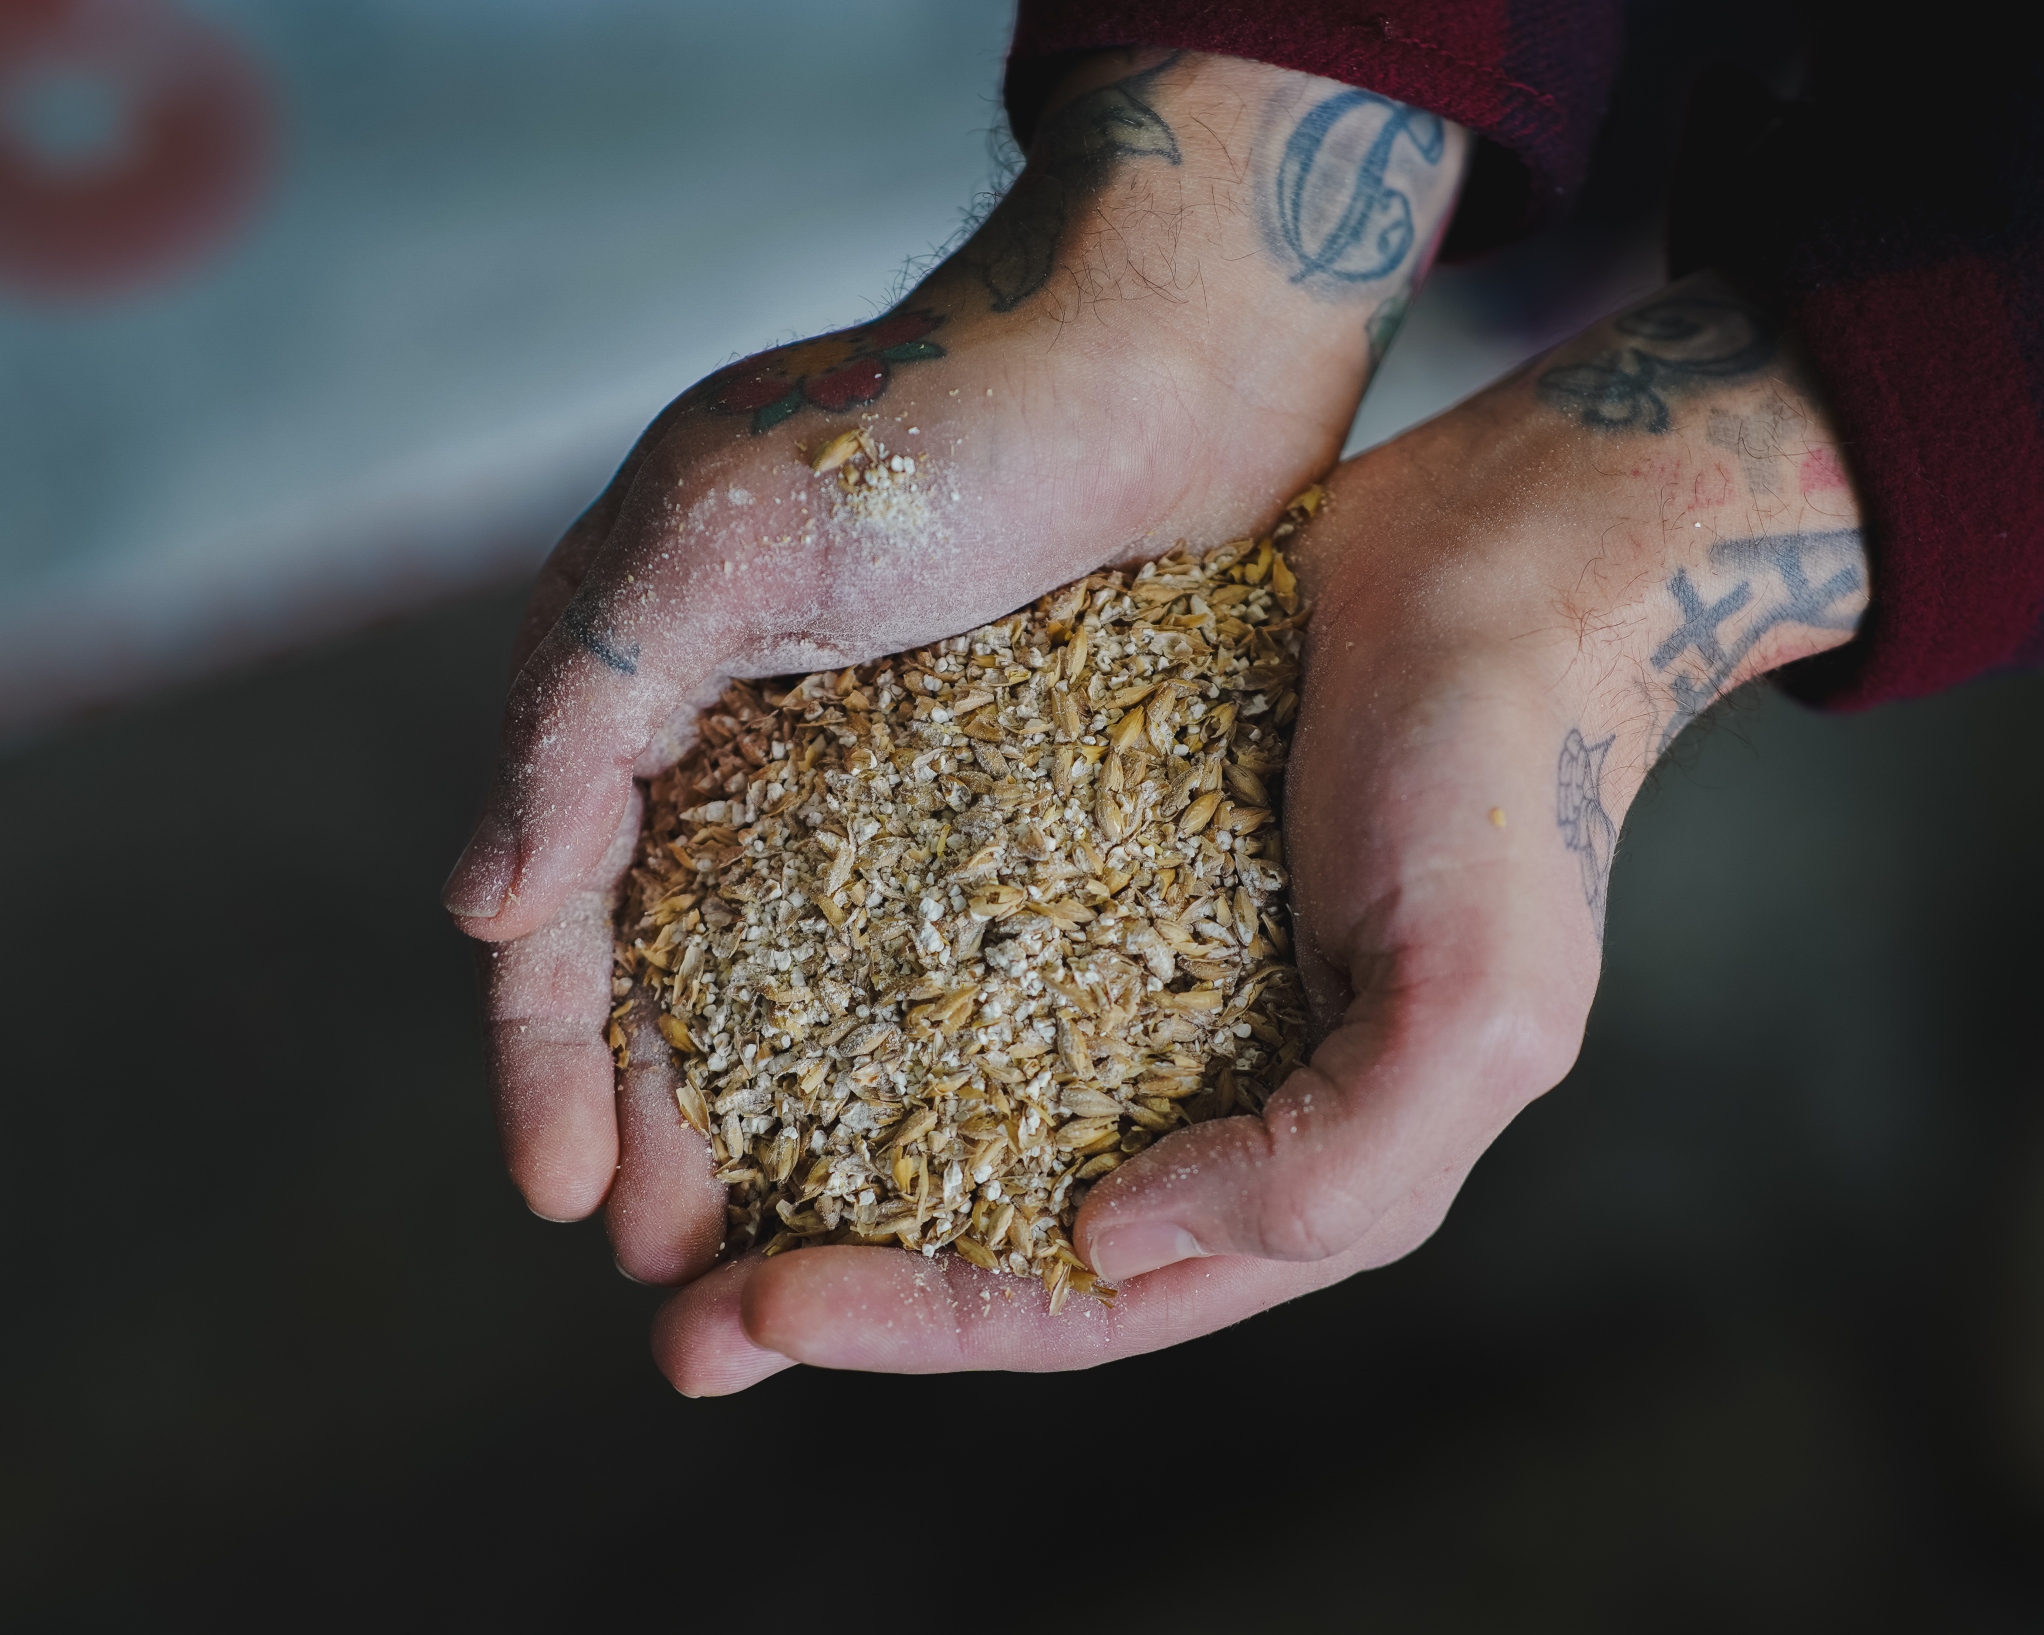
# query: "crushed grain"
{"points": [[874, 487], [940, 940]]}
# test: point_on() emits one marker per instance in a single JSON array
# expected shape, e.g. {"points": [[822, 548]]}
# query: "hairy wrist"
{"points": [[1720, 458], [1522, 603], [1659, 510], [1245, 211]]}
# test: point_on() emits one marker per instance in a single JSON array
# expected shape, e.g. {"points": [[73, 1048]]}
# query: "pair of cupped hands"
{"points": [[1516, 606]]}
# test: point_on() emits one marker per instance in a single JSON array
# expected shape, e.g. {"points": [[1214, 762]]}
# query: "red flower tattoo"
{"points": [[834, 372]]}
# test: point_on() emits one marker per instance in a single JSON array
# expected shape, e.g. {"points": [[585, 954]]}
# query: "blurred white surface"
{"points": [[502, 233]]}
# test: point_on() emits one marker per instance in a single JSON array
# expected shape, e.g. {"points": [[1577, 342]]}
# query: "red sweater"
{"points": [[1895, 214]]}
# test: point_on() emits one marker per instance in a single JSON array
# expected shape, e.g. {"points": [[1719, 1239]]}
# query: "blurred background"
{"points": [[317, 323]]}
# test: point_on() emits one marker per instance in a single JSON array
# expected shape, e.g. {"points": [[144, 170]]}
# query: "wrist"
{"points": [[1725, 470], [1649, 517], [1258, 229]]}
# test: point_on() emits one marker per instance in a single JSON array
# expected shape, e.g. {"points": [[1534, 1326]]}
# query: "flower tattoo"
{"points": [[1586, 828], [833, 372]]}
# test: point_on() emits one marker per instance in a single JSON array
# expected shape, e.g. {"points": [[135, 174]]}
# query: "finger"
{"points": [[666, 1208], [699, 1338], [547, 1006], [884, 1310], [1463, 945], [889, 1311]]}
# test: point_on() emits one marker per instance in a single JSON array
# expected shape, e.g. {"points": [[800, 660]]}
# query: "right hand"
{"points": [[1162, 332]]}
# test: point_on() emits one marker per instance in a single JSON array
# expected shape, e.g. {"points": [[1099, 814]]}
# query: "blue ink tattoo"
{"points": [[1586, 828], [1337, 218], [1700, 653], [1821, 578], [1015, 252], [578, 618], [1674, 345]]}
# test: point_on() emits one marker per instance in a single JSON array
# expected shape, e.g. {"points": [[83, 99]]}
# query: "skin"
{"points": [[1129, 351], [1488, 586], [1519, 605]]}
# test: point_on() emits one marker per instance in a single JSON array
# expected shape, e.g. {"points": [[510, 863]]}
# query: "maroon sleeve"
{"points": [[1895, 213], [1530, 76], [1933, 373]]}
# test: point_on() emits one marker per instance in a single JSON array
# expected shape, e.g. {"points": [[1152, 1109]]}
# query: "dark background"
{"points": [[1740, 1328]]}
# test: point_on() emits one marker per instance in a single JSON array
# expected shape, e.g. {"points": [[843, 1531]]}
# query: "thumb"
{"points": [[1389, 1108], [1468, 1003]]}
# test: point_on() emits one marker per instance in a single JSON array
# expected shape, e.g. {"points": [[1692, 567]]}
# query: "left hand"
{"points": [[1135, 346], [1519, 606]]}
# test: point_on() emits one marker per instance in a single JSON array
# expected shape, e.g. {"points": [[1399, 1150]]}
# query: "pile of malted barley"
{"points": [[939, 940]]}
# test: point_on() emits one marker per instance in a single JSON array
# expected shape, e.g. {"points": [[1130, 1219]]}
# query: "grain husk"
{"points": [[940, 940]]}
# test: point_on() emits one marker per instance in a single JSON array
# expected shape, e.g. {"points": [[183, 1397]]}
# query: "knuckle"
{"points": [[1532, 1052], [1304, 1206], [1515, 1038], [1299, 1220], [1404, 1231]]}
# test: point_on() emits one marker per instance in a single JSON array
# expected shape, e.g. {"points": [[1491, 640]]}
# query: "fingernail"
{"points": [[627, 1276], [1142, 1246], [482, 879]]}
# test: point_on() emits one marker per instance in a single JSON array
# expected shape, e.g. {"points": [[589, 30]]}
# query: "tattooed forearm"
{"points": [[580, 620], [1346, 190], [1669, 347], [1338, 208], [1817, 581], [1723, 610], [1016, 251], [1586, 828]]}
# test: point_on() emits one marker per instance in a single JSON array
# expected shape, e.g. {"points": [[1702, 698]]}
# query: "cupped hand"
{"points": [[1518, 607], [1167, 323]]}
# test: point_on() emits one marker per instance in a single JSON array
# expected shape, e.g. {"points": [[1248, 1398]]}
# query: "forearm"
{"points": [[1248, 228], [1735, 502], [1603, 545], [1663, 507]]}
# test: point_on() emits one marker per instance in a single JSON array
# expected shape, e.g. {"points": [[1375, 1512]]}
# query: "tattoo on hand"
{"points": [[832, 372], [1586, 828], [1016, 251], [1672, 346], [1757, 439], [1816, 580], [580, 621], [1335, 214]]}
